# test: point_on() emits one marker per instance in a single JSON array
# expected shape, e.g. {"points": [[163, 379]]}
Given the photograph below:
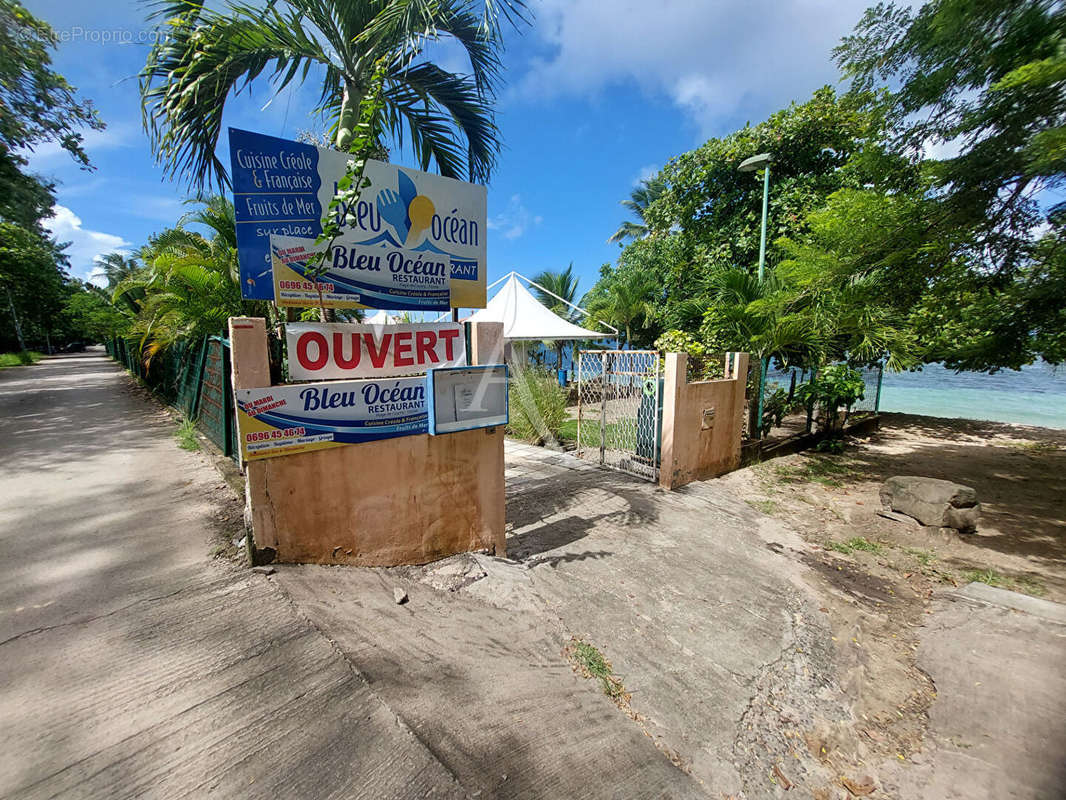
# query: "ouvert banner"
{"points": [[413, 240], [320, 351], [284, 420]]}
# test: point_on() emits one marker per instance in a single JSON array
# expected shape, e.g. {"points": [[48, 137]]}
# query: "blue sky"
{"points": [[599, 94]]}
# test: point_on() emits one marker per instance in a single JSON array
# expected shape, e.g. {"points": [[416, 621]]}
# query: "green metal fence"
{"points": [[194, 378]]}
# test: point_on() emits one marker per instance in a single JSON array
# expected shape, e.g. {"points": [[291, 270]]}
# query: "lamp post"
{"points": [[761, 161]]}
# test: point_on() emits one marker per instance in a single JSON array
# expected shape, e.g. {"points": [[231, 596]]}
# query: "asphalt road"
{"points": [[131, 663]]}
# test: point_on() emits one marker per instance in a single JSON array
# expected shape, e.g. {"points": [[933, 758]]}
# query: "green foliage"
{"points": [[591, 663], [37, 103], [564, 284], [37, 106], [776, 404], [704, 363], [186, 436], [990, 80], [622, 298], [857, 543], [992, 578], [640, 199], [203, 56], [23, 358], [189, 285], [833, 388], [92, 315], [537, 406]]}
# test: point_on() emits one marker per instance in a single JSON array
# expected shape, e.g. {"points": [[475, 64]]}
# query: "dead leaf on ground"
{"points": [[859, 788], [785, 782]]}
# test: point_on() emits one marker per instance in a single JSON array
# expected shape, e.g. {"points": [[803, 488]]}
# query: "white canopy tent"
{"points": [[381, 318], [524, 318]]}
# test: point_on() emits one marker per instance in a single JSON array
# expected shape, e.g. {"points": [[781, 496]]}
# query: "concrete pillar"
{"points": [[674, 376], [486, 343]]}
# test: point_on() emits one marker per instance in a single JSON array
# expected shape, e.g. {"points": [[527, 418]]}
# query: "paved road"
{"points": [[131, 664]]}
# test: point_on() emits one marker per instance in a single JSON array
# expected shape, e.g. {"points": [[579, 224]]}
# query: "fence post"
{"points": [[880, 378], [603, 408]]}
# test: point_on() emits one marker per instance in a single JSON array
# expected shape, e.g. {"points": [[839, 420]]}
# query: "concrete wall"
{"points": [[407, 500], [702, 421]]}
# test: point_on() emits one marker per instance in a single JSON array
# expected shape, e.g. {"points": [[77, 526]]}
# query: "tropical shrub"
{"points": [[537, 406], [833, 388]]}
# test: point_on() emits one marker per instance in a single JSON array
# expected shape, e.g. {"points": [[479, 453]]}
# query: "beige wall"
{"points": [[702, 422], [407, 500]]}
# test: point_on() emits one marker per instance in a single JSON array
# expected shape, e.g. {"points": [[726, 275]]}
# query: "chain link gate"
{"points": [[619, 411]]}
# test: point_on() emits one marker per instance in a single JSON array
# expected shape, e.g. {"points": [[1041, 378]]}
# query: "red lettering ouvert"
{"points": [[301, 350], [426, 347], [448, 336], [377, 356], [402, 357], [352, 361]]}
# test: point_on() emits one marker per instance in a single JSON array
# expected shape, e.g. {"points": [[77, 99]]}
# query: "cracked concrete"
{"points": [[133, 665], [714, 633]]}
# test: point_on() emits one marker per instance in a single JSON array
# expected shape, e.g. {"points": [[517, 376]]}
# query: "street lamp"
{"points": [[761, 161]]}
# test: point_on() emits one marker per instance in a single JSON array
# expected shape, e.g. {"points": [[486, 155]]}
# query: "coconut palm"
{"points": [[190, 283], [623, 300], [645, 193], [115, 268], [558, 284], [204, 56], [561, 284]]}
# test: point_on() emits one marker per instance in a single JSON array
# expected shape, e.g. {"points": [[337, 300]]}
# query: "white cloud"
{"points": [[712, 59], [50, 154], [514, 220], [85, 245], [646, 172]]}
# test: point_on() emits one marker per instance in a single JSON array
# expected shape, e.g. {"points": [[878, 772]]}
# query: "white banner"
{"points": [[319, 351]]}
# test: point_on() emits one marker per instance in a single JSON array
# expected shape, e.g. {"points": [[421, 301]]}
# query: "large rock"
{"points": [[931, 501]]}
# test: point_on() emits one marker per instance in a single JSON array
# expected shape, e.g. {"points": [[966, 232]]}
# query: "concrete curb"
{"points": [[990, 595]]}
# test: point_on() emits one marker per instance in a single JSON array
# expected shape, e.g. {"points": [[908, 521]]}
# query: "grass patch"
{"points": [[20, 359], [856, 543], [1036, 448], [923, 557], [590, 662], [997, 579], [813, 469], [590, 433], [186, 436], [765, 506]]}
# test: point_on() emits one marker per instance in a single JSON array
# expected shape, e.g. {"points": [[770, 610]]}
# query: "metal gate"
{"points": [[619, 420]]}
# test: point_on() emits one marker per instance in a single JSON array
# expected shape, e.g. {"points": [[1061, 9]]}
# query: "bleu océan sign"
{"points": [[284, 420], [411, 238]]}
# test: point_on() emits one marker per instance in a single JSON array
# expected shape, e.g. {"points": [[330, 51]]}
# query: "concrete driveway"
{"points": [[131, 663]]}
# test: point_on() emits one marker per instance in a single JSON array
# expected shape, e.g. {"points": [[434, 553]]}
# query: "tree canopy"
{"points": [[37, 106], [207, 56], [880, 249]]}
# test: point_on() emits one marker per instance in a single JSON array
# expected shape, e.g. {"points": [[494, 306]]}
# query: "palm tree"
{"points": [[564, 285], [645, 193], [116, 267], [622, 299], [190, 285], [204, 56]]}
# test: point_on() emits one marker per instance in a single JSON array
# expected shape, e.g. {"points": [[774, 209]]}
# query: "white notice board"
{"points": [[463, 398]]}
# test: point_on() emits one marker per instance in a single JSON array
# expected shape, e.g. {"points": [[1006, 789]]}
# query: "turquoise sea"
{"points": [[1034, 396]]}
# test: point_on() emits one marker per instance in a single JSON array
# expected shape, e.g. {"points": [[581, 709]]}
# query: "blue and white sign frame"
{"points": [[467, 398]]}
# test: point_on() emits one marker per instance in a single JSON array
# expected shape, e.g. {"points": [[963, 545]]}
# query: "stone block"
{"points": [[933, 502]]}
